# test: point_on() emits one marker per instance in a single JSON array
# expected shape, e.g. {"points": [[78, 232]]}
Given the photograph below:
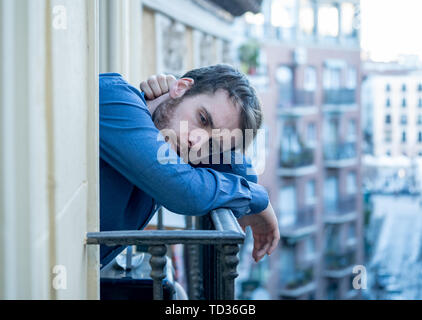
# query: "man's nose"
{"points": [[196, 140]]}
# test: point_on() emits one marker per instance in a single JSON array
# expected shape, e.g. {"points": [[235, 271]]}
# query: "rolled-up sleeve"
{"points": [[131, 144]]}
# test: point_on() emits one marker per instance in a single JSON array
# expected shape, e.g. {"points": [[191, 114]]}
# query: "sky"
{"points": [[391, 27]]}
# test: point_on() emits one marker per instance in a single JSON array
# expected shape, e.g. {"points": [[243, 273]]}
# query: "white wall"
{"points": [[48, 148]]}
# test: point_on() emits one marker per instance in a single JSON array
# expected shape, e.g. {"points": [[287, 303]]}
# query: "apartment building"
{"points": [[393, 113], [308, 77]]}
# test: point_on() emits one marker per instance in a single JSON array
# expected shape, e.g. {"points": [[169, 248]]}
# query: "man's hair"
{"points": [[224, 77]]}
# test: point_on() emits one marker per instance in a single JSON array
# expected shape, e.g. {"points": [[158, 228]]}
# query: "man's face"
{"points": [[196, 119]]}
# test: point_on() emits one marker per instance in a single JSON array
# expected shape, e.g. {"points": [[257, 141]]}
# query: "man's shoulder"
{"points": [[114, 89]]}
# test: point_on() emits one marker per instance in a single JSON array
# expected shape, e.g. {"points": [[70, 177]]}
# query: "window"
{"points": [[310, 192], [388, 119], [352, 231], [332, 290], [388, 102], [420, 102], [328, 21], [403, 119], [419, 137], [351, 185], [352, 76], [287, 205], [403, 136], [310, 79], [331, 78], [388, 87], [388, 136], [420, 87], [403, 87], [306, 18], [403, 102], [347, 18], [419, 119], [311, 134], [284, 77], [283, 16], [309, 248], [351, 130]]}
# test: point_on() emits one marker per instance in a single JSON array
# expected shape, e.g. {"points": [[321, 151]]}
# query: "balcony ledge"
{"points": [[352, 294], [298, 111], [340, 218], [297, 232], [297, 292], [297, 172], [341, 273], [335, 164], [340, 107]]}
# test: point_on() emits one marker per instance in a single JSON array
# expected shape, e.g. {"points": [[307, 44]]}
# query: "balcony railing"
{"points": [[212, 253], [339, 261], [340, 96], [302, 101], [342, 210], [340, 151], [299, 277], [305, 220], [299, 283], [301, 158]]}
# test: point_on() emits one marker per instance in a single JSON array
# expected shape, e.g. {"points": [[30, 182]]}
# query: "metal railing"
{"points": [[301, 158], [305, 217], [341, 206], [340, 96], [299, 98], [336, 261], [212, 250], [298, 278], [340, 151]]}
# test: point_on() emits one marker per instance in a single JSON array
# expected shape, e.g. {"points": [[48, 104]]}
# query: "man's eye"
{"points": [[203, 119]]}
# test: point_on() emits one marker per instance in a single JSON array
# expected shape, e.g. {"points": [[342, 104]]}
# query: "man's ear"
{"points": [[180, 87]]}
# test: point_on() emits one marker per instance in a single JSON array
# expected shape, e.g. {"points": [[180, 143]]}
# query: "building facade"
{"points": [[308, 77], [393, 105]]}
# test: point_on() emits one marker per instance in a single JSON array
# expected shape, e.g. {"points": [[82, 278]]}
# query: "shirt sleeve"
{"points": [[132, 145]]}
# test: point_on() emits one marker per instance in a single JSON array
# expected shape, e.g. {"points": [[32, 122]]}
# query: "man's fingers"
{"points": [[147, 90], [155, 87], [171, 80], [162, 82], [273, 245]]}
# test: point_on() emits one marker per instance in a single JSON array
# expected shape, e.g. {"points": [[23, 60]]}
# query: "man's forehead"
{"points": [[224, 112]]}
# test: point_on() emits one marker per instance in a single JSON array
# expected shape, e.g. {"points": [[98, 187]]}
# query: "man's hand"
{"points": [[265, 231], [156, 86]]}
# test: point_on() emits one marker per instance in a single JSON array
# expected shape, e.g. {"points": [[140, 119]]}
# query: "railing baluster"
{"points": [[230, 262], [158, 262]]}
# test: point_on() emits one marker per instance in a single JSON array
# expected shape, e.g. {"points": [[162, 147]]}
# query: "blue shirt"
{"points": [[134, 182]]}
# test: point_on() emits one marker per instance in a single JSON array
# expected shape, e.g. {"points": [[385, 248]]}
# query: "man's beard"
{"points": [[162, 118], [164, 113]]}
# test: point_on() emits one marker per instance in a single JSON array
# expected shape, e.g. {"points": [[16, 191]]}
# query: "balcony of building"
{"points": [[298, 103], [340, 210], [340, 155], [339, 264], [302, 224], [341, 99], [211, 244], [298, 162], [299, 282]]}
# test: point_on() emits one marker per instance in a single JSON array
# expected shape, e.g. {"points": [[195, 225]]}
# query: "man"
{"points": [[133, 180]]}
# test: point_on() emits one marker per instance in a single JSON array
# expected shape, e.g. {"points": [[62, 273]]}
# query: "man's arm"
{"points": [[129, 143]]}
